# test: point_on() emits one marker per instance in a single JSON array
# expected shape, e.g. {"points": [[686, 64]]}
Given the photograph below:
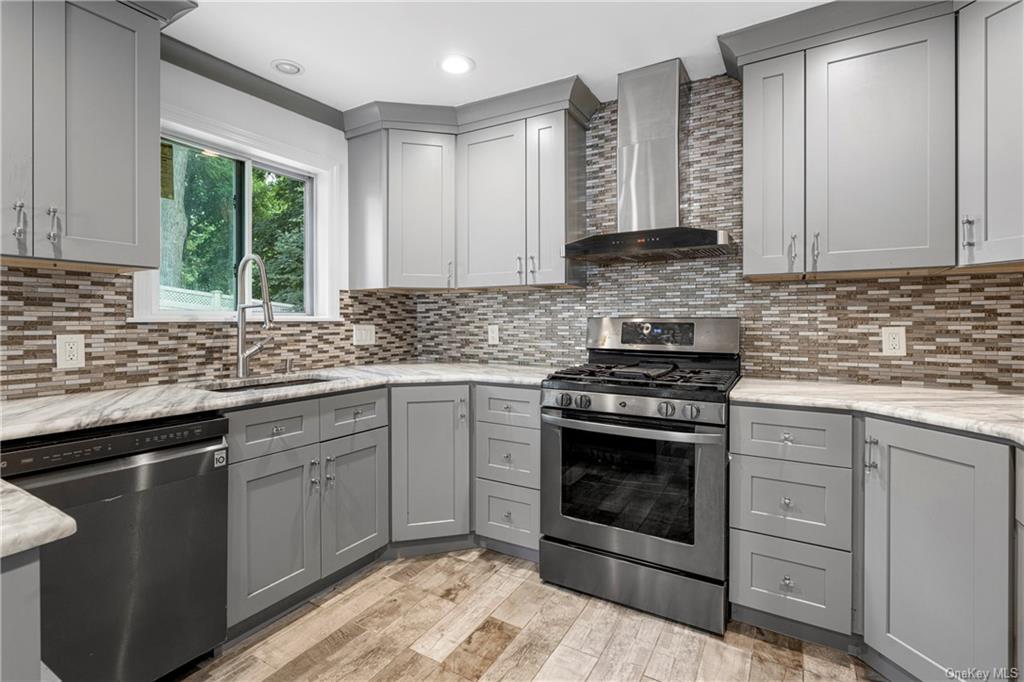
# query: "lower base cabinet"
{"points": [[937, 538], [509, 513]]}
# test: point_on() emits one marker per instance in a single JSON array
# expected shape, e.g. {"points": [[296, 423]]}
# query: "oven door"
{"points": [[653, 494]]}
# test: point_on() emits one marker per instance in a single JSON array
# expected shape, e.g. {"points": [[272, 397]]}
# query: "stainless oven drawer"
{"points": [[508, 513], [806, 502], [505, 405], [350, 413], [795, 580], [510, 454], [265, 430], [794, 435]]}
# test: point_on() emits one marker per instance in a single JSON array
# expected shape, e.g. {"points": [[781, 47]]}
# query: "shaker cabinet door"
{"points": [[881, 177], [421, 209], [936, 549], [429, 461], [546, 194], [773, 166], [991, 135], [491, 210], [16, 128], [96, 134]]}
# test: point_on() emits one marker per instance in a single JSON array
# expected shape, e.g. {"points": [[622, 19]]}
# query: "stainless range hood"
{"points": [[648, 177]]}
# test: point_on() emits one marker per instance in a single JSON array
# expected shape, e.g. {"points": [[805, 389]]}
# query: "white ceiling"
{"points": [[355, 53]]}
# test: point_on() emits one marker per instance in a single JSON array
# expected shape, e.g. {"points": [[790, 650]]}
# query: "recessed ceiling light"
{"points": [[287, 67], [457, 64]]}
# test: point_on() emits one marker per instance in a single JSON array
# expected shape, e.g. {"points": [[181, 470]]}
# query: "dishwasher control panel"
{"points": [[39, 454]]}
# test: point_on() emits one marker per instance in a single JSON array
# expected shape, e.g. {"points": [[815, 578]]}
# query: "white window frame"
{"points": [[321, 290]]}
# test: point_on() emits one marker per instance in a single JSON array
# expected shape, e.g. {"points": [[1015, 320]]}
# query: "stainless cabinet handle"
{"points": [[449, 274], [19, 213], [508, 516], [519, 266], [533, 267], [815, 249], [314, 462], [869, 463], [52, 234], [792, 248], [506, 407], [786, 502], [315, 482], [462, 409], [356, 414], [967, 223], [277, 430], [328, 459], [508, 457], [787, 437], [330, 479], [786, 582]]}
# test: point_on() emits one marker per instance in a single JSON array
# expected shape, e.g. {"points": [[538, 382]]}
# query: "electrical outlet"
{"points": [[364, 334], [70, 351], [894, 341], [492, 335]]}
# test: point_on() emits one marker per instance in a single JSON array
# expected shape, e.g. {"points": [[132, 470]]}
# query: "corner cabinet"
{"points": [[773, 166], [429, 462], [991, 136], [937, 538], [80, 131]]}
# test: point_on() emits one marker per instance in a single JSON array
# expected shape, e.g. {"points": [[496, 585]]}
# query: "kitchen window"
{"points": [[216, 207]]}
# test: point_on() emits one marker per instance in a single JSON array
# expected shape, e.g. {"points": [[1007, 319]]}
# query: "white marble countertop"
{"points": [[60, 414], [987, 413], [27, 522]]}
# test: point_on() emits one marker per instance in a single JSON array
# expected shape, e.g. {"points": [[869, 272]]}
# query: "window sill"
{"points": [[204, 319]]}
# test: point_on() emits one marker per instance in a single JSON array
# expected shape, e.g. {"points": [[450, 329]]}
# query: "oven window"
{"points": [[646, 486]]}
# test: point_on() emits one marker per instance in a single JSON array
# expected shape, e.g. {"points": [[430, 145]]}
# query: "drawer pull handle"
{"points": [[356, 414], [508, 516], [869, 463], [786, 502], [786, 582], [277, 430], [314, 462], [508, 457], [507, 407], [315, 482], [52, 235], [330, 479], [787, 437]]}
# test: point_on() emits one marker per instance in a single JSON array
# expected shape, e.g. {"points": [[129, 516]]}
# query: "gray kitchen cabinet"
{"points": [[351, 413], [429, 461], [880, 162], [490, 171], [793, 435], [509, 513], [507, 405], [510, 454], [555, 196], [16, 128], [937, 540], [354, 512], [95, 133], [991, 136], [273, 529], [773, 166], [421, 209], [261, 431]]}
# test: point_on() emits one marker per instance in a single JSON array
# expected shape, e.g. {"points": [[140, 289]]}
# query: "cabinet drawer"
{"points": [[510, 454], [806, 502], [795, 435], [791, 579], [508, 513], [344, 415], [264, 430], [504, 405]]}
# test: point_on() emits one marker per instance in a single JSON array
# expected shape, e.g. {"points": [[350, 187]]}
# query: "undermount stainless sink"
{"points": [[240, 385]]}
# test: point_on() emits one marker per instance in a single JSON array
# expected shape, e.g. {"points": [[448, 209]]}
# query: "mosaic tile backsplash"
{"points": [[962, 330]]}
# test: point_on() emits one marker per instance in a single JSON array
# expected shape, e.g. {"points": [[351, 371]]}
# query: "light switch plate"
{"points": [[364, 334], [894, 341], [70, 351], [492, 335]]}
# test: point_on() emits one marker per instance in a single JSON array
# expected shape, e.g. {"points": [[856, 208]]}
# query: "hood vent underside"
{"points": [[647, 176]]}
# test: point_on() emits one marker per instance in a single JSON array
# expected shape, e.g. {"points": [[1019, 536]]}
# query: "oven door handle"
{"points": [[650, 434]]}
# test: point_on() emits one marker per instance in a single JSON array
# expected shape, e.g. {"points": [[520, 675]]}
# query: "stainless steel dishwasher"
{"points": [[140, 588]]}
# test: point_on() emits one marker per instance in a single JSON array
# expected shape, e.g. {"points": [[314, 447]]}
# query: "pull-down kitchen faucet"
{"points": [[268, 314]]}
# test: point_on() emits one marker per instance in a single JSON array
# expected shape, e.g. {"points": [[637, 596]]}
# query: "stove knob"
{"points": [[691, 411], [666, 409], [583, 402], [564, 400]]}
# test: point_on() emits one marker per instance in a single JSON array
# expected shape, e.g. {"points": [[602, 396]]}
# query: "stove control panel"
{"points": [[636, 406]]}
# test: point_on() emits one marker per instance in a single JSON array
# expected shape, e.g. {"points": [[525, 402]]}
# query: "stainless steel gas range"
{"points": [[634, 466]]}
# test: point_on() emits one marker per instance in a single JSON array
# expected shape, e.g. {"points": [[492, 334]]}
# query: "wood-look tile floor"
{"points": [[479, 615]]}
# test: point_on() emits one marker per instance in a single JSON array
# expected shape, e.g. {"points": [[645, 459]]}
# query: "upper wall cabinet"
{"points": [[81, 81], [482, 195], [990, 109], [881, 176], [849, 161], [773, 166], [421, 209]]}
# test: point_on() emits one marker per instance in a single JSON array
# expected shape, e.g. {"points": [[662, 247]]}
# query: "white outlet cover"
{"points": [[364, 334], [492, 335], [70, 351], [894, 341]]}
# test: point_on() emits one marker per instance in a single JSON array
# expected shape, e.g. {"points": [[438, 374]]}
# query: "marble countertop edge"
{"points": [[26, 522]]}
